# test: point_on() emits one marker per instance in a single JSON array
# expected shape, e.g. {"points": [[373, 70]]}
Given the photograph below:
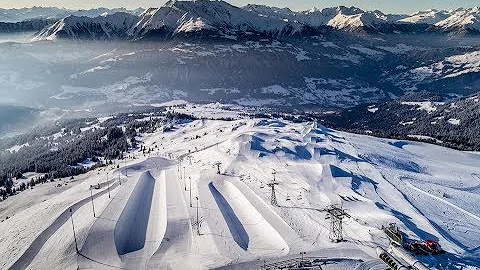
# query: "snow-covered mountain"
{"points": [[430, 16], [459, 21], [173, 19], [350, 18], [105, 27], [186, 17], [22, 14], [220, 19], [462, 21], [353, 18]]}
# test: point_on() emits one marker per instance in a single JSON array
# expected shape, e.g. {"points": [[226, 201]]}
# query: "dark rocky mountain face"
{"points": [[33, 25]]}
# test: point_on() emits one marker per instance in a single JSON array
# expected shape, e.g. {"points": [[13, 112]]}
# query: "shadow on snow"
{"points": [[239, 234], [131, 228]]}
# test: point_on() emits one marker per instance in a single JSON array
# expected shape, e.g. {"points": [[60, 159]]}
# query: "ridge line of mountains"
{"points": [[221, 19]]}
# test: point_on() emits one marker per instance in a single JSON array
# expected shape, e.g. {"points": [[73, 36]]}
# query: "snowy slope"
{"points": [[462, 20], [450, 67], [430, 16], [377, 181], [106, 27], [194, 16], [451, 124]]}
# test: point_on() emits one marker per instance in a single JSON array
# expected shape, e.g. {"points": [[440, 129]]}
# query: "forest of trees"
{"points": [[58, 157], [109, 143], [397, 120]]}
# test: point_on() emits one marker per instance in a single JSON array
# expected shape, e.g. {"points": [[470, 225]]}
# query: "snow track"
{"points": [[27, 257], [177, 237], [99, 249], [444, 201], [155, 226], [237, 230], [278, 224]]}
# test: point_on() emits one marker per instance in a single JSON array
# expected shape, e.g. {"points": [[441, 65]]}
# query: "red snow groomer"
{"points": [[426, 247]]}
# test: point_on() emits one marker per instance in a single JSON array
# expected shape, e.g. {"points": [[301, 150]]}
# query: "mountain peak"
{"points": [[313, 10], [349, 10], [104, 27]]}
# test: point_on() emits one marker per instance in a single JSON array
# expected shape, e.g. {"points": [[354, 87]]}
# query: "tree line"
{"points": [[60, 157]]}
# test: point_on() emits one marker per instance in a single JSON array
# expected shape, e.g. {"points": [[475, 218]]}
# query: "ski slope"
{"points": [[150, 219]]}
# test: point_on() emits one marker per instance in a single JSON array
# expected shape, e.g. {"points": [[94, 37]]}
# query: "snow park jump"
{"points": [[236, 228], [131, 228]]}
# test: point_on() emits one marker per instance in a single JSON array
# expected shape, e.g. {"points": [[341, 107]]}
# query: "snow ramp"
{"points": [[27, 257], [247, 222], [239, 234], [131, 228], [287, 233], [174, 239]]}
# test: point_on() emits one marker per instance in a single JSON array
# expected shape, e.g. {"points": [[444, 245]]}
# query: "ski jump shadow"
{"points": [[239, 234]]}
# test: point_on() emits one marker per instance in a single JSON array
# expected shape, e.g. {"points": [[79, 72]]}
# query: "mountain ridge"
{"points": [[221, 19], [15, 15]]}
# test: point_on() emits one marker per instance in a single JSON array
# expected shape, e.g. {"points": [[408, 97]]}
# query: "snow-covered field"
{"points": [[150, 220]]}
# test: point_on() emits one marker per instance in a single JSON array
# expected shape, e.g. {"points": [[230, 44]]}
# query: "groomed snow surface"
{"points": [[146, 216]]}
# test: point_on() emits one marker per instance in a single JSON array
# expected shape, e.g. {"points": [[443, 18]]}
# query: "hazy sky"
{"points": [[392, 6]]}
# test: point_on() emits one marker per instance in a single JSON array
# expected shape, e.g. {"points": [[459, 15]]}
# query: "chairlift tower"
{"points": [[273, 196], [336, 214], [190, 159], [218, 164], [196, 223]]}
